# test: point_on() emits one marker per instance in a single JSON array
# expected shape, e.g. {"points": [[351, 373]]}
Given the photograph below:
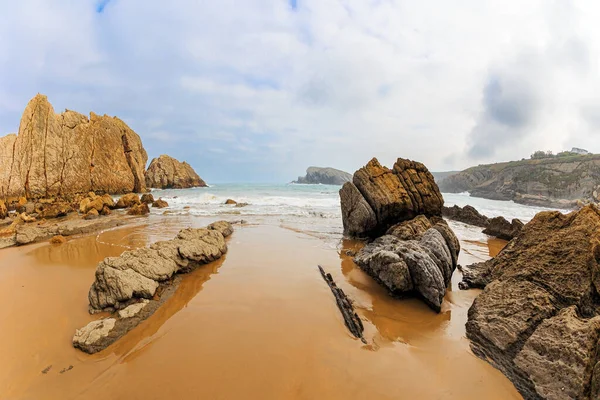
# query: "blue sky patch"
{"points": [[100, 5]]}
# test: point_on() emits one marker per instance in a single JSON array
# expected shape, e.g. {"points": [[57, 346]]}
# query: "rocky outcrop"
{"points": [[137, 274], [551, 182], [378, 197], [135, 284], [128, 200], [538, 319], [58, 155], [503, 229], [325, 176], [467, 214], [416, 257], [166, 172]]}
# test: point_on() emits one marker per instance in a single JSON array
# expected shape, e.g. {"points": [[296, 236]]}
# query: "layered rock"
{"points": [[551, 182], [416, 257], [538, 319], [467, 214], [497, 226], [135, 284], [58, 155], [166, 172], [418, 252], [378, 197], [325, 176], [137, 274]]}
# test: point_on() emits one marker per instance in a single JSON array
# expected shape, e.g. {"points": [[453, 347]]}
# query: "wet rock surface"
{"points": [[417, 258], [135, 284], [538, 318]]}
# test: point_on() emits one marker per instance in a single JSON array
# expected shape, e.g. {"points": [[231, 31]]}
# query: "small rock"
{"points": [[47, 369], [133, 309], [93, 333], [128, 200], [62, 371], [139, 209], [105, 210], [91, 214], [241, 204], [147, 198], [160, 203], [27, 218], [58, 239], [230, 201]]}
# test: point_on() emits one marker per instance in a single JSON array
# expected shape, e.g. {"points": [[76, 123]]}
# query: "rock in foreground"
{"points": [[135, 284], [538, 318], [325, 176], [378, 197], [166, 172], [416, 257]]}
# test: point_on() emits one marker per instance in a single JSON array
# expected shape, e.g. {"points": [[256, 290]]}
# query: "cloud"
{"points": [[258, 90]]}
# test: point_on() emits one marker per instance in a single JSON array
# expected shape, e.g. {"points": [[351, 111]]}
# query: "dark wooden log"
{"points": [[353, 322]]}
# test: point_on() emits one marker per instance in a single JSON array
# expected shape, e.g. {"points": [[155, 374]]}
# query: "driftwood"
{"points": [[351, 319]]}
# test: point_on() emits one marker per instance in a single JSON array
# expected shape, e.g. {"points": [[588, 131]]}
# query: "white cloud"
{"points": [[332, 83]]}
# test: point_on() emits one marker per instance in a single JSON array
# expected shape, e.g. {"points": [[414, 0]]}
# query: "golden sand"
{"points": [[259, 324]]}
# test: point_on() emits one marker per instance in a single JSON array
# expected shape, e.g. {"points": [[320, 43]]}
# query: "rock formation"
{"points": [[497, 226], [166, 172], [160, 203], [538, 319], [147, 198], [378, 197], [467, 214], [415, 257], [58, 155], [418, 252], [136, 274], [503, 229], [136, 283], [551, 182], [325, 176]]}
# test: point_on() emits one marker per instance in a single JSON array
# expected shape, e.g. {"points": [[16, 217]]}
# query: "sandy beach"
{"points": [[260, 323]]}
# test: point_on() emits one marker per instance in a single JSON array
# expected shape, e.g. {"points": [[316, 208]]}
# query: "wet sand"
{"points": [[258, 324]]}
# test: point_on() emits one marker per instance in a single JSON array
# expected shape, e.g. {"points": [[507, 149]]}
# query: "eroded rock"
{"points": [[147, 198], [503, 229], [160, 203], [139, 209], [166, 172], [62, 154], [128, 200], [136, 274], [378, 197], [538, 318]]}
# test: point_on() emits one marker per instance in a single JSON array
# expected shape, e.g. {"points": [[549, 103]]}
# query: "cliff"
{"points": [[166, 172], [551, 182], [325, 176], [68, 153]]}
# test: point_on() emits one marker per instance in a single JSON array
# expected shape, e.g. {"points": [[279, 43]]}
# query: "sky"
{"points": [[258, 90]]}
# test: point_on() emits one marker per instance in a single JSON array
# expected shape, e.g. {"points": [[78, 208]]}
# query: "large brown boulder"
{"points": [[166, 172], [56, 155], [538, 319], [128, 200], [378, 197]]}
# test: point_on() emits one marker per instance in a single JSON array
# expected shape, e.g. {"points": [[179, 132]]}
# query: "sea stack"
{"points": [[165, 172], [325, 176], [59, 155], [415, 252]]}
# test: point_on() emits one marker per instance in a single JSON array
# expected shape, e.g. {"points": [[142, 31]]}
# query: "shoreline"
{"points": [[294, 335]]}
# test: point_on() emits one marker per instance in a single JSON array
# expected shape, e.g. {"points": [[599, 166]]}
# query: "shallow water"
{"points": [[259, 323]]}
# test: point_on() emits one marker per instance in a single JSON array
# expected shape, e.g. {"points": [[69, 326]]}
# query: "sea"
{"points": [[311, 209]]}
